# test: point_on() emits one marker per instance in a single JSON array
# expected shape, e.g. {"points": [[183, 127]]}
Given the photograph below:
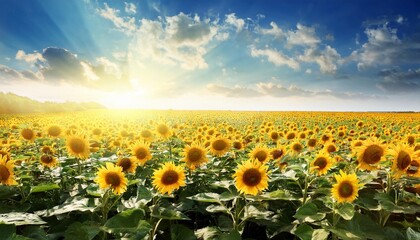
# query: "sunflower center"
{"points": [[46, 159], [169, 177], [237, 145], [141, 153], [219, 145], [146, 134], [414, 167], [297, 147], [125, 163], [325, 138], [54, 131], [331, 148], [261, 156], [345, 189], [312, 142], [277, 153], [373, 154], [321, 163], [291, 136], [162, 129], [403, 160], [112, 179], [27, 134], [77, 145], [410, 140], [4, 173], [274, 135], [194, 154], [252, 177]]}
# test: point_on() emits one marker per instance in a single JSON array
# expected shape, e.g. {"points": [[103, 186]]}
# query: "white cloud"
{"points": [[130, 8], [384, 47], [394, 80], [110, 67], [275, 57], [274, 31], [327, 59], [303, 35], [31, 58], [88, 72], [9, 75], [238, 23], [124, 24], [181, 39], [278, 91]]}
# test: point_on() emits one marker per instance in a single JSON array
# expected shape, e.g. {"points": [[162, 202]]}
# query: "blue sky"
{"points": [[238, 55]]}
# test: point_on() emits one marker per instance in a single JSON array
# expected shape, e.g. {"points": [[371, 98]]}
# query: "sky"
{"points": [[320, 55]]}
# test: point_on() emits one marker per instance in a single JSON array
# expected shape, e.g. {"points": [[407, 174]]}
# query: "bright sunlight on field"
{"points": [[210, 175]]}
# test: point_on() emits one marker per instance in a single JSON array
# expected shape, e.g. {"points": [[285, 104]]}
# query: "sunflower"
{"points": [[278, 152], [251, 177], [195, 155], [147, 135], [7, 175], [54, 131], [370, 154], [78, 146], [28, 134], [296, 147], [219, 146], [312, 142], [47, 149], [163, 130], [112, 176], [260, 153], [48, 161], [141, 152], [168, 178], [401, 159], [127, 164], [5, 153], [347, 187], [331, 147], [322, 163], [274, 135], [238, 145], [413, 169]]}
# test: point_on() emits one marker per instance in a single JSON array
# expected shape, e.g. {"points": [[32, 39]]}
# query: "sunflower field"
{"points": [[114, 174]]}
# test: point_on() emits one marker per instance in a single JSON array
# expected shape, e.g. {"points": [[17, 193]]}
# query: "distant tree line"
{"points": [[12, 103]]}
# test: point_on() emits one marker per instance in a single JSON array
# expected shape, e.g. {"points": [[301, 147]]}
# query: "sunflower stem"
{"points": [[152, 236]]}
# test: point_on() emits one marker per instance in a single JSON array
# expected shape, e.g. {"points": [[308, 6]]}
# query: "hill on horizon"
{"points": [[11, 103]]}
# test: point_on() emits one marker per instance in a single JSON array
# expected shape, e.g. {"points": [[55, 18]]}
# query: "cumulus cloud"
{"points": [[8, 75], [130, 8], [327, 59], [279, 91], [384, 47], [124, 24], [275, 57], [303, 35], [394, 80], [238, 23], [235, 92], [274, 31], [31, 58], [181, 39]]}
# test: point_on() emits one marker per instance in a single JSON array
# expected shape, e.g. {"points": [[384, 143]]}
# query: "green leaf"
{"points": [[44, 187], [169, 213], [387, 203], [275, 195], [71, 205], [180, 232], [346, 211], [129, 221], [76, 231], [256, 213], [6, 192], [34, 232], [360, 227], [216, 208], [309, 213], [320, 234], [21, 218], [412, 235], [207, 233], [304, 232], [206, 197], [7, 231], [232, 235]]}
